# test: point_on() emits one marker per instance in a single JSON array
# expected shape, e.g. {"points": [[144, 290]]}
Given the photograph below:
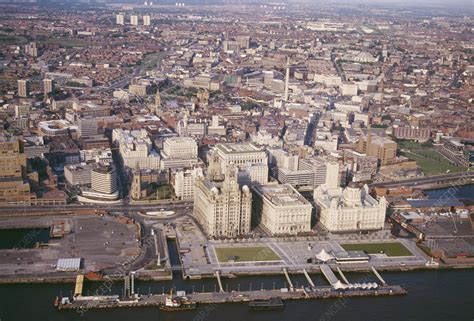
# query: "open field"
{"points": [[432, 166], [65, 42], [151, 61], [12, 39], [246, 254], [428, 159], [390, 249]]}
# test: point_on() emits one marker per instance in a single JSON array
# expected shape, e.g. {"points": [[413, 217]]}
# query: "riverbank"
{"points": [[71, 278]]}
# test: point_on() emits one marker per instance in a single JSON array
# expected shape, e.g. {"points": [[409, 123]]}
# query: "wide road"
{"points": [[110, 208], [462, 177]]}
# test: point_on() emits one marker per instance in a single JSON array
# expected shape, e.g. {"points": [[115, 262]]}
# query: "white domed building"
{"points": [[350, 209]]}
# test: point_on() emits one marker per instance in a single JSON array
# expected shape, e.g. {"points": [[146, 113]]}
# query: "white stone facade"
{"points": [[349, 210], [282, 210]]}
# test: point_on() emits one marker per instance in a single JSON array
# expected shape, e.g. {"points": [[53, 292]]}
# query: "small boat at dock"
{"points": [[177, 303]]}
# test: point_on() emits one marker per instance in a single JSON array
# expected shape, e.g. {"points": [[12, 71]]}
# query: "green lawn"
{"points": [[12, 40], [164, 192], [428, 159], [246, 254], [431, 164], [390, 249]]}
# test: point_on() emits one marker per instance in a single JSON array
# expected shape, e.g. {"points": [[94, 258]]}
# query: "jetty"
{"points": [[336, 289]]}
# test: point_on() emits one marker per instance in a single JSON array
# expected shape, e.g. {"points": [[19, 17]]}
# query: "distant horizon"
{"points": [[464, 4]]}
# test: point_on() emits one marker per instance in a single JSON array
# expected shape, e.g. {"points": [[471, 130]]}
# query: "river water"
{"points": [[432, 296], [461, 192]]}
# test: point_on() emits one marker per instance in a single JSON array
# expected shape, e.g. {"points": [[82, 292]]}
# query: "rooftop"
{"points": [[281, 195], [238, 148]]}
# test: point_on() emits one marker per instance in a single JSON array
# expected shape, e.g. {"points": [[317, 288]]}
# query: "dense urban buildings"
{"points": [[263, 137]]}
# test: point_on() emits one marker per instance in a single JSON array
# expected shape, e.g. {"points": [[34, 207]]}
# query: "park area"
{"points": [[245, 254], [427, 158], [389, 249]]}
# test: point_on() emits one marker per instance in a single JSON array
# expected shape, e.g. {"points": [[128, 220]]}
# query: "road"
{"points": [[110, 208], [462, 177]]}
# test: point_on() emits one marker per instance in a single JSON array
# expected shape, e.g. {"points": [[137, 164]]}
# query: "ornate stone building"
{"points": [[351, 209], [223, 208]]}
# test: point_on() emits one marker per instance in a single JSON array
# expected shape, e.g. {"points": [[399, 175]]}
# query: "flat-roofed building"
{"points": [[179, 152], [247, 157], [457, 151], [119, 19], [381, 147], [146, 20], [104, 179], [185, 182], [280, 209], [317, 166], [135, 148], [79, 174], [283, 159], [14, 186], [48, 85], [90, 125], [23, 88], [296, 178], [180, 148], [413, 133]]}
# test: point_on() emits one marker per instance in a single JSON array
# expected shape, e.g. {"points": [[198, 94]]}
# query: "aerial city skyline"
{"points": [[209, 160]]}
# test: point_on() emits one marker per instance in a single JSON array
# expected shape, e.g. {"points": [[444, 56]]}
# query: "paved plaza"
{"points": [[200, 259]]}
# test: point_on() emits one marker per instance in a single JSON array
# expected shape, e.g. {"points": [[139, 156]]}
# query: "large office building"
{"points": [[23, 88], [119, 19], [48, 85], [457, 151], [14, 187], [90, 126], [283, 159], [413, 133], [280, 209], [223, 208], [78, 175], [179, 152], [185, 181], [104, 179], [381, 147], [251, 161], [136, 149], [350, 209], [103, 187], [146, 20], [134, 20], [308, 172], [180, 148]]}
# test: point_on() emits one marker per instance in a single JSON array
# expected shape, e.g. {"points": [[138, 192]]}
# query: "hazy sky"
{"points": [[467, 3]]}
